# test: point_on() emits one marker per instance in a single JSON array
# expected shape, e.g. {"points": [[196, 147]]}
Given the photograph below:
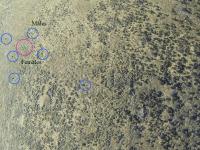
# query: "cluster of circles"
{"points": [[24, 47]]}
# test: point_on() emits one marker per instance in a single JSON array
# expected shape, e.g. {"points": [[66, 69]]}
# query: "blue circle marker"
{"points": [[42, 54], [12, 56], [14, 78], [32, 33], [6, 38], [85, 85]]}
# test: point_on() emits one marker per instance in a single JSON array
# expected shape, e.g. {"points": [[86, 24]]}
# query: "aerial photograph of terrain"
{"points": [[99, 74]]}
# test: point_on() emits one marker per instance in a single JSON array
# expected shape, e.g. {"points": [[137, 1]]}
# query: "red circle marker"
{"points": [[24, 47]]}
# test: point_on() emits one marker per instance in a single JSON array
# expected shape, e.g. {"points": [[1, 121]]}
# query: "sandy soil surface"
{"points": [[113, 75]]}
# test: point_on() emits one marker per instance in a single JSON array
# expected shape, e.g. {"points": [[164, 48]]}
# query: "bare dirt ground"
{"points": [[138, 58]]}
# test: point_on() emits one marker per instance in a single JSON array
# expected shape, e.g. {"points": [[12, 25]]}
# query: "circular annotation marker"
{"points": [[24, 47], [14, 78], [12, 56], [85, 85], [42, 54], [6, 38], [32, 33]]}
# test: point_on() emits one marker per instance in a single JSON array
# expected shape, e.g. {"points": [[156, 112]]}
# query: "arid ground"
{"points": [[99, 75]]}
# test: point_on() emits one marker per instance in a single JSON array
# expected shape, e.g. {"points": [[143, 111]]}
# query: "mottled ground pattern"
{"points": [[142, 57]]}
